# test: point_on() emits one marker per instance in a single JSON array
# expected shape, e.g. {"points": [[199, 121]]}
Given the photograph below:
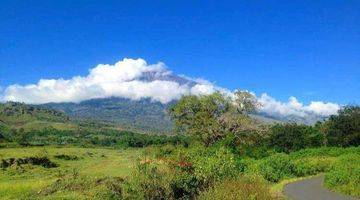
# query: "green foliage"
{"points": [[344, 175], [293, 137], [104, 138], [241, 188], [246, 102], [312, 165], [42, 161], [66, 157], [185, 174], [150, 182], [199, 116], [214, 165], [210, 118], [344, 129], [277, 167], [96, 188], [324, 152], [196, 172]]}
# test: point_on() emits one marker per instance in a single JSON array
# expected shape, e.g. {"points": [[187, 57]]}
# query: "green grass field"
{"points": [[26, 181]]}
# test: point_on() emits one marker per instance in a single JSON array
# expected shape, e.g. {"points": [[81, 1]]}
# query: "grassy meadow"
{"points": [[27, 181]]}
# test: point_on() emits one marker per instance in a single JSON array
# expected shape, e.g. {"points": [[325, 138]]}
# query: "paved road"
{"points": [[311, 189]]}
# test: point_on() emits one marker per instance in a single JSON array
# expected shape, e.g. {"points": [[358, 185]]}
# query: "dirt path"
{"points": [[312, 189]]}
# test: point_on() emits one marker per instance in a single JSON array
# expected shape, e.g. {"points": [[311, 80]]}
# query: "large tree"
{"points": [[210, 117], [198, 116]]}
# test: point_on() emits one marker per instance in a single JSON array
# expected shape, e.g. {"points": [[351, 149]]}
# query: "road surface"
{"points": [[312, 189]]}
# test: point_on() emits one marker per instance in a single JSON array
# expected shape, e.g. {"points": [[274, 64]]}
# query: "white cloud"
{"points": [[293, 107], [121, 79], [321, 108], [126, 79]]}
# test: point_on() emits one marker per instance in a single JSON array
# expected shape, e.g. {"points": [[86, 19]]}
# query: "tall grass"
{"points": [[242, 188], [344, 175]]}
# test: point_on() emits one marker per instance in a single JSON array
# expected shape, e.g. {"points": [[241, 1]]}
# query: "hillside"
{"points": [[15, 115], [144, 115]]}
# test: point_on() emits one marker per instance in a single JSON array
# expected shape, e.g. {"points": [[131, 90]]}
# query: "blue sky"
{"points": [[306, 49]]}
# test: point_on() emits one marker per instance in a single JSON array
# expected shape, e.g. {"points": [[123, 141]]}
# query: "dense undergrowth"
{"points": [[344, 175], [178, 172]]}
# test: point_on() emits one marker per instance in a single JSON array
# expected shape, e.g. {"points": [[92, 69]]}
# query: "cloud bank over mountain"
{"points": [[129, 78], [135, 79], [294, 108]]}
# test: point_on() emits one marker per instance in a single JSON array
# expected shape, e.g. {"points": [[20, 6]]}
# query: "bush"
{"points": [[324, 152], [185, 185], [214, 165], [198, 168], [42, 161], [312, 165], [110, 188], [164, 151], [243, 188], [276, 167], [150, 182], [92, 188], [66, 157], [344, 175]]}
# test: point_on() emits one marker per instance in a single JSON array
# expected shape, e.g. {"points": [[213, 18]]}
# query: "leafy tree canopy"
{"points": [[210, 117], [344, 129]]}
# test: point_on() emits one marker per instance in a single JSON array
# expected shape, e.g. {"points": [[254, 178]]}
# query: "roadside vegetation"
{"points": [[218, 151]]}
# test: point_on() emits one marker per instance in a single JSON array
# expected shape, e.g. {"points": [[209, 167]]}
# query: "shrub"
{"points": [[150, 182], [197, 168], [243, 188], [164, 151], [344, 175], [110, 188], [42, 161], [73, 183], [276, 167], [324, 152], [66, 157], [312, 165], [185, 185], [214, 165]]}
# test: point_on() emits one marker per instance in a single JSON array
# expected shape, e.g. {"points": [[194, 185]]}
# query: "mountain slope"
{"points": [[144, 114]]}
